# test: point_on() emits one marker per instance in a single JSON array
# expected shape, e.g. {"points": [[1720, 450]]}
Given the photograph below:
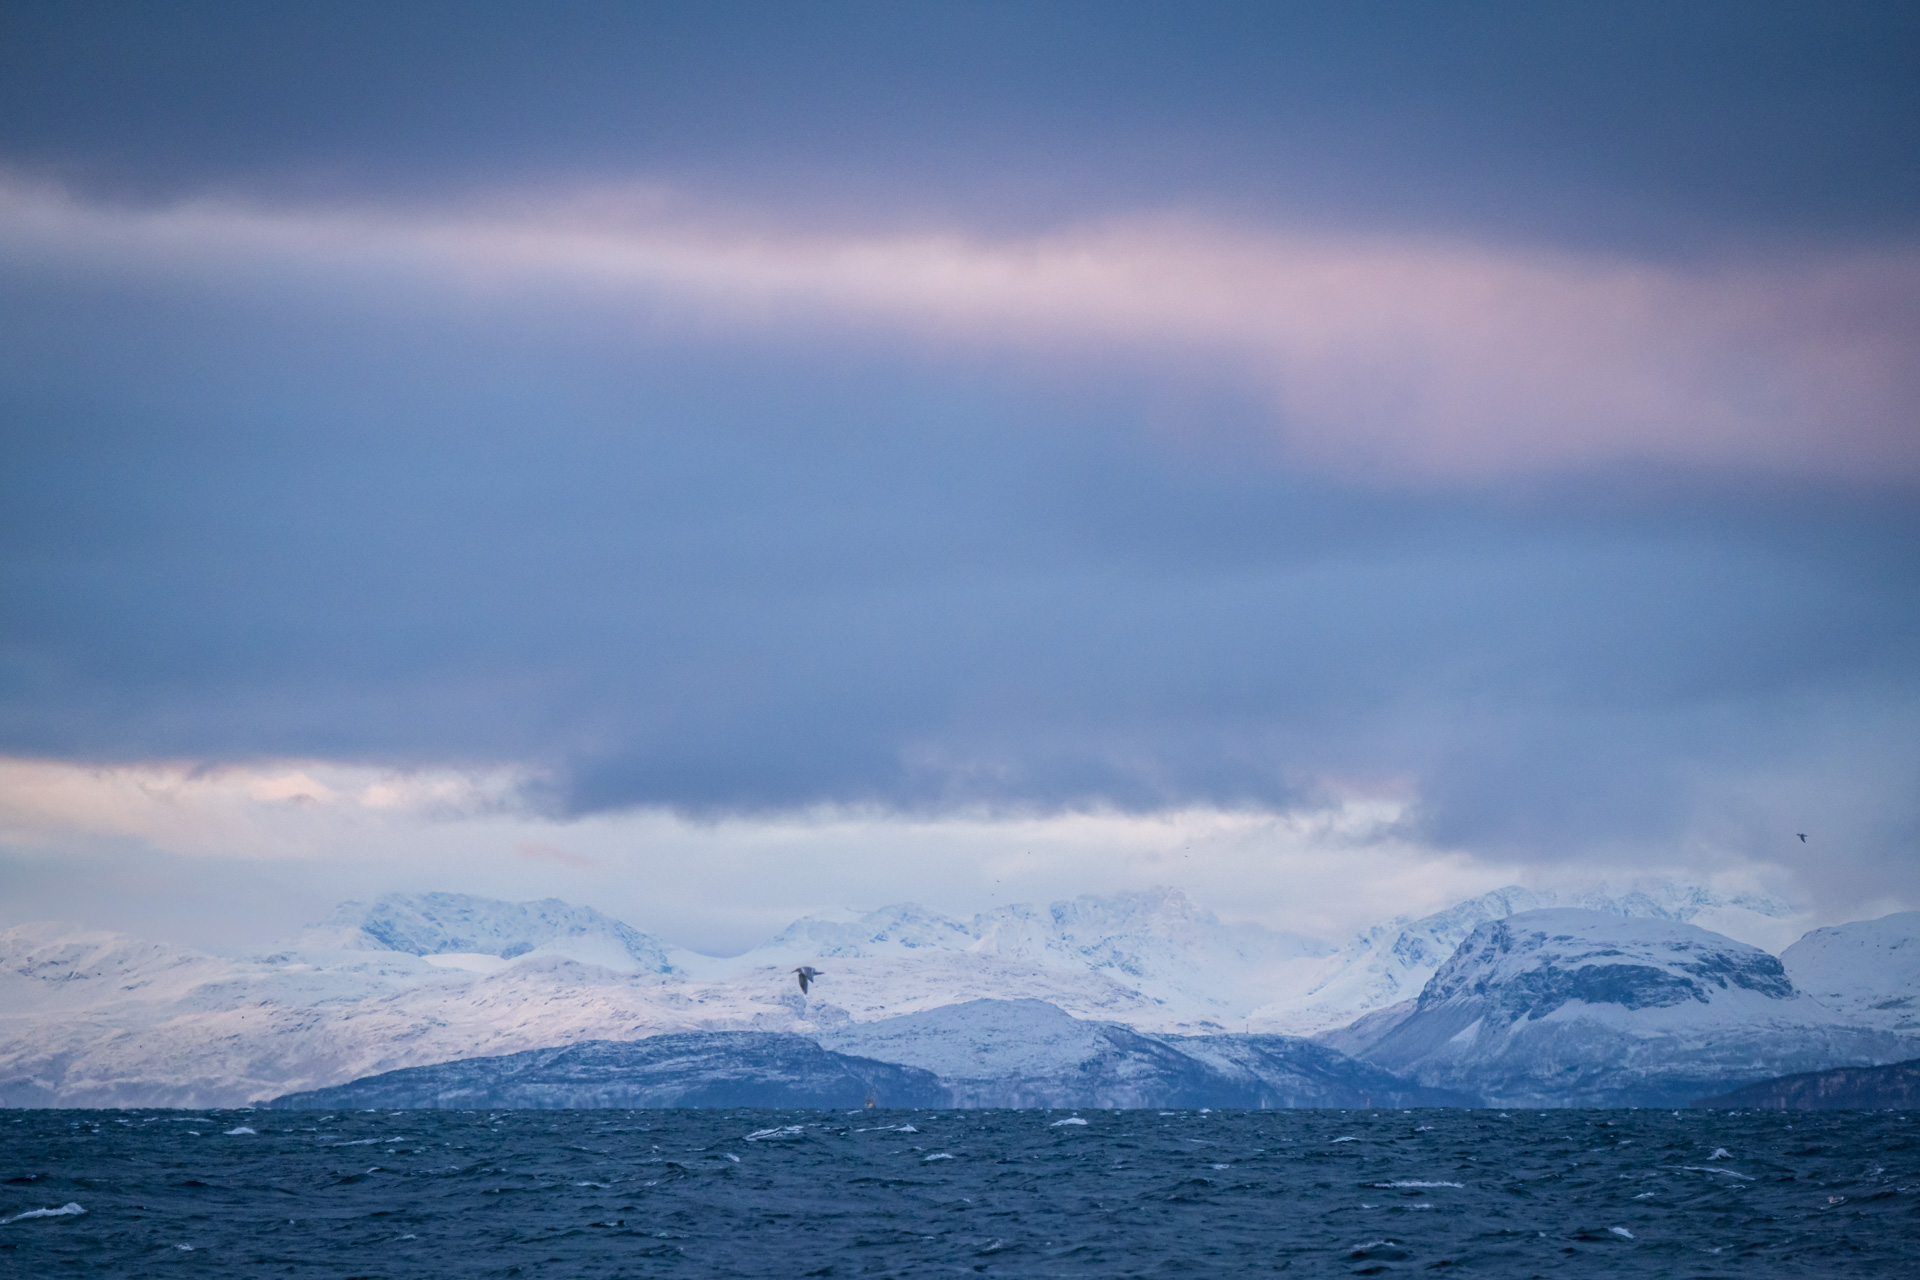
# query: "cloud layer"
{"points": [[987, 413], [1407, 361]]}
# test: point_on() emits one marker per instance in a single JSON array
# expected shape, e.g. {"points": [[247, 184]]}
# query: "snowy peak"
{"points": [[73, 966], [1154, 951], [439, 924], [1133, 932], [1392, 962], [1116, 931], [1569, 1007], [891, 930], [1868, 971], [1532, 964]]}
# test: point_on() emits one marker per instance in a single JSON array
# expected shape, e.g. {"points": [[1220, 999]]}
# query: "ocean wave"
{"points": [[67, 1210]]}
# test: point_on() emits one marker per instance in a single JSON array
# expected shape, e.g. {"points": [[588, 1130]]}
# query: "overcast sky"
{"points": [[718, 461]]}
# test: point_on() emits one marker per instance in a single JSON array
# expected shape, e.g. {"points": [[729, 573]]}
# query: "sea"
{"points": [[984, 1193]]}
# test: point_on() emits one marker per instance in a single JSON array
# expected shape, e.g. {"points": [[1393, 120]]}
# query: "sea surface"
{"points": [[929, 1193]]}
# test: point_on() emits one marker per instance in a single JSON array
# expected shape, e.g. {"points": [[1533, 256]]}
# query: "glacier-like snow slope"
{"points": [[1151, 959], [92, 1019], [1570, 1007], [1028, 1053], [460, 924], [1390, 963], [88, 1018], [1868, 970]]}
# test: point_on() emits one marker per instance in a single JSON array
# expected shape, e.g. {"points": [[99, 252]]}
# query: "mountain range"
{"points": [[1130, 995]]}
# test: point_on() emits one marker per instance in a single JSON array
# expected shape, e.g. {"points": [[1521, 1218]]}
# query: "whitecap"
{"points": [[69, 1209], [1220, 1166], [1725, 1173], [240, 1129], [1721, 1153], [1622, 1232], [938, 1155], [1410, 1183], [775, 1134], [1349, 1138], [1069, 1120]]}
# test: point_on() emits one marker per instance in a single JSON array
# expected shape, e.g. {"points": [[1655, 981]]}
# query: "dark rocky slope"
{"points": [[983, 1053], [693, 1069], [1896, 1085]]}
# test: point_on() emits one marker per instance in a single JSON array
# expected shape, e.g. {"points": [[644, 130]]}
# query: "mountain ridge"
{"points": [[95, 1019], [1572, 1007]]}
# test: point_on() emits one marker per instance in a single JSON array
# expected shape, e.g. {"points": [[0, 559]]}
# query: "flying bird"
{"points": [[1802, 835], [806, 973]]}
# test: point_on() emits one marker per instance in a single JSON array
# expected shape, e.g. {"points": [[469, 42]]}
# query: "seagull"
{"points": [[1802, 835], [806, 973]]}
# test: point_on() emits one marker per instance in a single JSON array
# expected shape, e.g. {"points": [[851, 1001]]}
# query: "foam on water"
{"points": [[1725, 1173], [70, 1209]]}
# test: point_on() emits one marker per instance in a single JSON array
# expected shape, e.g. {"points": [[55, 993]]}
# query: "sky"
{"points": [[722, 461]]}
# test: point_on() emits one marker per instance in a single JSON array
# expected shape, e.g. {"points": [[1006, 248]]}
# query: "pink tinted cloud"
{"points": [[1406, 361], [538, 851]]}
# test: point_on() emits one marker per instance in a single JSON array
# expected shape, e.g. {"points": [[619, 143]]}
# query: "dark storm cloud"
{"points": [[678, 559], [728, 574], [1644, 122]]}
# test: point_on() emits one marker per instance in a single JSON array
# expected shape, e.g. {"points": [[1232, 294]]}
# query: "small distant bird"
{"points": [[806, 973], [1802, 835]]}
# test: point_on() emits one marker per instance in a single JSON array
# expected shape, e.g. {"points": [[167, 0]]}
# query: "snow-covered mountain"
{"points": [[1391, 962], [1150, 959], [95, 1019], [685, 1069], [464, 931], [1019, 1053], [1027, 1053], [1894, 1086], [1868, 971], [1570, 1007]]}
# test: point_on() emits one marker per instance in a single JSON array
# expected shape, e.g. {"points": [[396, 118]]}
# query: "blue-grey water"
{"points": [[991, 1193]]}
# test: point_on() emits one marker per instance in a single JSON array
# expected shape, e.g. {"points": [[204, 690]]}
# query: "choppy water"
{"points": [[995, 1193]]}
